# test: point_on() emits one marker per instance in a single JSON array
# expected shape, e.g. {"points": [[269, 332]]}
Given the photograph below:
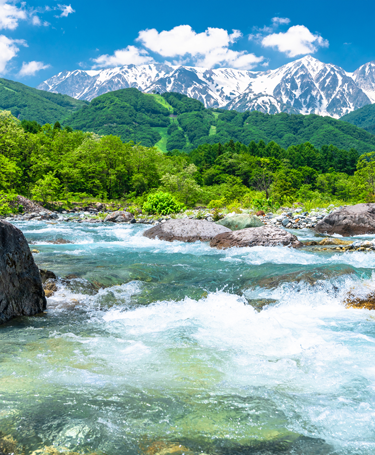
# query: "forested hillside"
{"points": [[364, 118], [31, 104], [54, 163], [174, 121]]}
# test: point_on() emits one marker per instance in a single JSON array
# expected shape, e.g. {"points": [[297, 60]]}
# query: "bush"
{"points": [[162, 204], [235, 207], [7, 203], [217, 203]]}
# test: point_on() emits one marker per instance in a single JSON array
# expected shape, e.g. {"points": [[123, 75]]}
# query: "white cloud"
{"points": [[36, 20], [66, 10], [280, 20], [30, 68], [206, 49], [129, 55], [8, 49], [298, 40], [10, 15]]}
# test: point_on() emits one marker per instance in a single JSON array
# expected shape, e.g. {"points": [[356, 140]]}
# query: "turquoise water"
{"points": [[172, 354]]}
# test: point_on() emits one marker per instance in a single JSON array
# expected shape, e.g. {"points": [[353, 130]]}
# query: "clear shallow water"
{"points": [[173, 351]]}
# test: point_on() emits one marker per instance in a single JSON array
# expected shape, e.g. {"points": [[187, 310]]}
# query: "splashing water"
{"points": [[173, 355]]}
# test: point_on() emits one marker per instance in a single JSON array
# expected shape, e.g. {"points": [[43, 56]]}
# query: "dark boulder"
{"points": [[353, 220], [260, 236], [185, 230], [21, 292]]}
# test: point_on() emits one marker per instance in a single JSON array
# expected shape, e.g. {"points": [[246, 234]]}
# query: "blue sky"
{"points": [[41, 38]]}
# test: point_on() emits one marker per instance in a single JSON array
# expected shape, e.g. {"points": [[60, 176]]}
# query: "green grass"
{"points": [[162, 144], [212, 130], [161, 101]]}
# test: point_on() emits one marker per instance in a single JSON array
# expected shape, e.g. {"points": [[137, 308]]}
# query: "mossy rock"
{"points": [[241, 221]]}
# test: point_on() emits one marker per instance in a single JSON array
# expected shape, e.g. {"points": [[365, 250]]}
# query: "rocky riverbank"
{"points": [[286, 217]]}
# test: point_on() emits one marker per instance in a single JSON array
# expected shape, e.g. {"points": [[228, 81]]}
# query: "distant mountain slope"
{"points": [[174, 121], [127, 113], [29, 103], [363, 117], [305, 86]]}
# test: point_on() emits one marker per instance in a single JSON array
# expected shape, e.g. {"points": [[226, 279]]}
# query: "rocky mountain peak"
{"points": [[306, 85]]}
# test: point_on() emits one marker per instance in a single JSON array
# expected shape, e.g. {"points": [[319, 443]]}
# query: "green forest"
{"points": [[363, 117], [172, 121], [31, 104], [52, 163]]}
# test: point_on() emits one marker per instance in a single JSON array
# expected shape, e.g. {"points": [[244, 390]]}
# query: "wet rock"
{"points": [[348, 221], [185, 230], [360, 302], [59, 241], [46, 275], [119, 217], [260, 304], [311, 277], [241, 221], [50, 287], [9, 446], [260, 236], [21, 291], [333, 241], [260, 213]]}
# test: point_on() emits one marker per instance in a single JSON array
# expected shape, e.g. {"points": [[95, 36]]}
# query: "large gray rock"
{"points": [[353, 220], [21, 292], [241, 221], [119, 217], [185, 230], [260, 236]]}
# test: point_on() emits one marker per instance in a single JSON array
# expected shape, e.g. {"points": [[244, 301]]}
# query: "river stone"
{"points": [[119, 217], [260, 236], [241, 221], [348, 221], [185, 230], [21, 291]]}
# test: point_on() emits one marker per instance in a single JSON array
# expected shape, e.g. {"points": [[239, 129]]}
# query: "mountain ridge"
{"points": [[303, 86]]}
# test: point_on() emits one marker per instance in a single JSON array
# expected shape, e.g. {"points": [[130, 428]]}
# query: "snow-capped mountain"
{"points": [[364, 77], [303, 86], [307, 86]]}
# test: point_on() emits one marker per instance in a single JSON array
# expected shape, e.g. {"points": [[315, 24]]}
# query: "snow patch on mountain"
{"points": [[304, 86]]}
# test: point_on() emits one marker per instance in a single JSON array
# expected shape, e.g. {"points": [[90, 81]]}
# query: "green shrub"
{"points": [[161, 203], [217, 203], [235, 207], [7, 204]]}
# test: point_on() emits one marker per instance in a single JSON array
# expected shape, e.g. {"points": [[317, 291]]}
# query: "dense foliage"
{"points": [[363, 118], [127, 113], [174, 121], [54, 163], [162, 203], [29, 103]]}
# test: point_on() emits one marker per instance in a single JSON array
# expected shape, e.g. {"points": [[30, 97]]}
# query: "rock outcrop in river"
{"points": [[240, 221], [21, 292], [186, 230], [353, 220], [119, 217], [260, 236]]}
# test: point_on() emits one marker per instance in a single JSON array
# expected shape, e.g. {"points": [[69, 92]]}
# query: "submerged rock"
{"points": [[333, 241], [21, 291], [241, 221], [119, 217], [260, 236], [354, 220], [186, 230]]}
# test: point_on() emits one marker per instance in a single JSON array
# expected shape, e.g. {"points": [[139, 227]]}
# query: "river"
{"points": [[187, 349]]}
